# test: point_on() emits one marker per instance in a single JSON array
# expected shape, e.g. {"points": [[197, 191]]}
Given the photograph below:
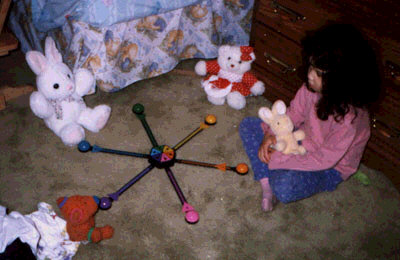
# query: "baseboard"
{"points": [[8, 93]]}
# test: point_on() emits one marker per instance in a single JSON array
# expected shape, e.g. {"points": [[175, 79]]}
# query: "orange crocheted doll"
{"points": [[79, 213]]}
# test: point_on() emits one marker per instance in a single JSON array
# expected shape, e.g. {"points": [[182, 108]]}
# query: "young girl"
{"points": [[331, 108]]}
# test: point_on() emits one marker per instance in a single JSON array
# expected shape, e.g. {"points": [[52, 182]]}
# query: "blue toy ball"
{"points": [[84, 146]]}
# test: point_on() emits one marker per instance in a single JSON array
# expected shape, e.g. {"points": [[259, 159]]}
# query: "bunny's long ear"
{"points": [[36, 61], [51, 51], [279, 108], [265, 114]]}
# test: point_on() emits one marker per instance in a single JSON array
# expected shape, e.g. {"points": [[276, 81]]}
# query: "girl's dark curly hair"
{"points": [[350, 74]]}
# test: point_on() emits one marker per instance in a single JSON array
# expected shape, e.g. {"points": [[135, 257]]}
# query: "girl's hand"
{"points": [[265, 151]]}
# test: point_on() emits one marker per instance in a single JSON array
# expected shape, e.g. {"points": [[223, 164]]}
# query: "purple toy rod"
{"points": [[131, 182], [175, 184], [105, 202], [191, 215]]}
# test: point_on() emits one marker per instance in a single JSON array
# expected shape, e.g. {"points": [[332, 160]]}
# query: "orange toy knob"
{"points": [[211, 119], [242, 168]]}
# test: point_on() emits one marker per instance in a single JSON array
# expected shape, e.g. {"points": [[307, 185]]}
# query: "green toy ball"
{"points": [[138, 108]]}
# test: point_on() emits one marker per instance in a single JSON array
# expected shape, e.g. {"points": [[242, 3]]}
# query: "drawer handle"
{"points": [[297, 17], [286, 68], [394, 70], [379, 125]]}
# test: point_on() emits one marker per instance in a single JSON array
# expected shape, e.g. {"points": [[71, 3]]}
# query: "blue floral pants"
{"points": [[287, 185]]}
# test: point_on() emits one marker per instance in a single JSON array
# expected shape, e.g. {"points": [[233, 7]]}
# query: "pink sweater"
{"points": [[329, 144]]}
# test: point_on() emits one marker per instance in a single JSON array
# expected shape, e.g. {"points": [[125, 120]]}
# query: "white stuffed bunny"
{"points": [[59, 97], [282, 126]]}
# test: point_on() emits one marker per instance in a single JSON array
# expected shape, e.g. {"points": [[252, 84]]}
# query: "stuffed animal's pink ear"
{"points": [[265, 114], [36, 61], [279, 108], [52, 54]]}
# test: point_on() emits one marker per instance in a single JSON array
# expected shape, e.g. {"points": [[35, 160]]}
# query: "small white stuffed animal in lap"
{"points": [[59, 97], [282, 126]]}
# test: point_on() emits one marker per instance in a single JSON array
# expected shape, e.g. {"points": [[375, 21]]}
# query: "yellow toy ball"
{"points": [[242, 168], [211, 119]]}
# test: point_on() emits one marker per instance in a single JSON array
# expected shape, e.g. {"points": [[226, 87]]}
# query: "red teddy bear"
{"points": [[79, 213]]}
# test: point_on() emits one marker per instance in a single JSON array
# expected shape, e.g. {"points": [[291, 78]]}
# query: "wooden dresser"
{"points": [[278, 27]]}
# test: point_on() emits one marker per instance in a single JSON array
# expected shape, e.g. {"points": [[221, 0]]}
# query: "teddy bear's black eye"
{"points": [[240, 62], [229, 58], [277, 123], [69, 76], [56, 86]]}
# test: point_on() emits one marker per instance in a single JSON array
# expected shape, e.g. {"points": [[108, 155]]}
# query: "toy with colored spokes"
{"points": [[162, 157]]}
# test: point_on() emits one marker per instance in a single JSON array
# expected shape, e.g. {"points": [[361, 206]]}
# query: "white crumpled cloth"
{"points": [[42, 230]]}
